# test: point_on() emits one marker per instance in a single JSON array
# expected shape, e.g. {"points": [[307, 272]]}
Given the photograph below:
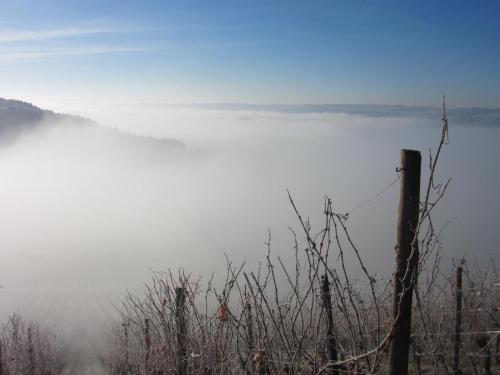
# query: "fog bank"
{"points": [[84, 217]]}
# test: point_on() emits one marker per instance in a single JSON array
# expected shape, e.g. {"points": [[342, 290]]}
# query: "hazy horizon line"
{"points": [[480, 116]]}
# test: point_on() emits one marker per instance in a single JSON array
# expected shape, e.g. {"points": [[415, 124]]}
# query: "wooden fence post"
{"points": [[250, 338], [406, 261], [127, 359], [180, 311], [147, 342], [458, 319], [330, 337], [31, 355]]}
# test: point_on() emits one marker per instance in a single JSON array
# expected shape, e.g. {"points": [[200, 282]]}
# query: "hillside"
{"points": [[18, 118], [16, 115]]}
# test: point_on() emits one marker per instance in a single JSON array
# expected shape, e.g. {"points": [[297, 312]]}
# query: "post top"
{"points": [[407, 151]]}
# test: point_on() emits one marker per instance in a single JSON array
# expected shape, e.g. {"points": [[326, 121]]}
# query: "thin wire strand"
{"points": [[373, 197]]}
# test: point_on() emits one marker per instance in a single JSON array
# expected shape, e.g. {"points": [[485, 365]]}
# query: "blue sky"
{"points": [[381, 52]]}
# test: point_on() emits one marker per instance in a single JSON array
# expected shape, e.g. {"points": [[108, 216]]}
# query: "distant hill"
{"points": [[467, 116], [18, 117]]}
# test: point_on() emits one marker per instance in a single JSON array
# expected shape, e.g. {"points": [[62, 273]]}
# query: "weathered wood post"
{"points": [[250, 337], [126, 370], [406, 261], [330, 337], [31, 354], [180, 317], [458, 318], [147, 343]]}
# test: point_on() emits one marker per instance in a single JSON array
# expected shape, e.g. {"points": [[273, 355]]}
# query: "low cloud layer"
{"points": [[86, 216], [459, 116]]}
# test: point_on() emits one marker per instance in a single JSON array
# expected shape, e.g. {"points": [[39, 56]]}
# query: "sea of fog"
{"points": [[83, 220]]}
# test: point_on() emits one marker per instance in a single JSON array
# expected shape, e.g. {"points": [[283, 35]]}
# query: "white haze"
{"points": [[83, 219]]}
